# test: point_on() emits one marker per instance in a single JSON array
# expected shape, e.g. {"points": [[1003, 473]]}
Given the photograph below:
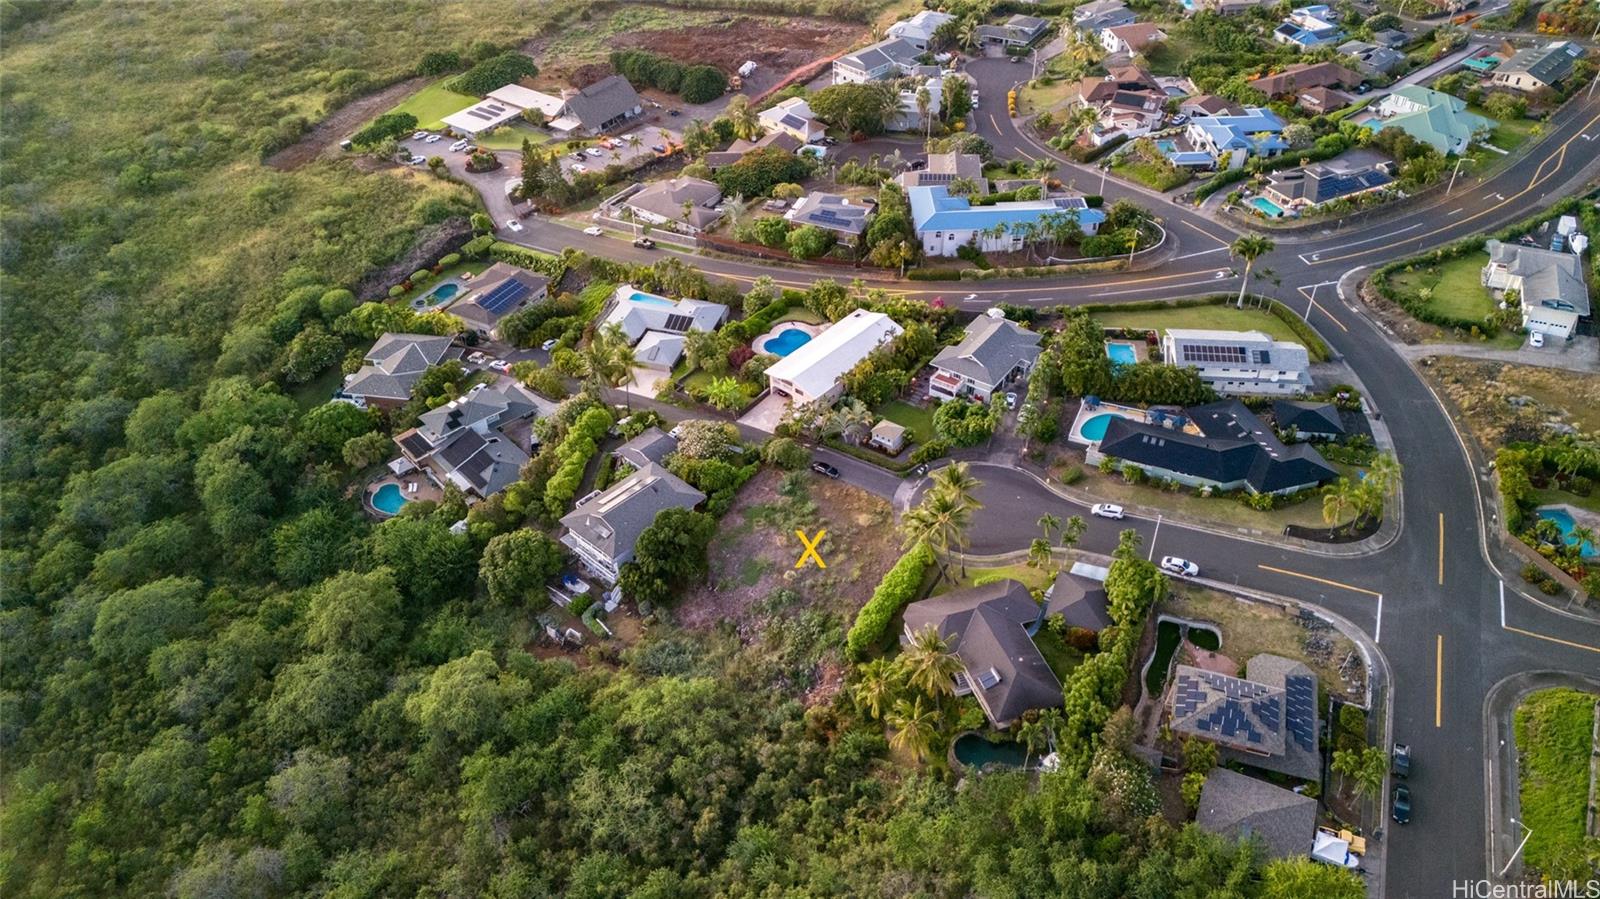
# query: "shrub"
{"points": [[421, 276], [449, 259], [384, 127], [897, 589], [965, 423], [929, 451], [702, 84], [438, 62], [785, 453], [1072, 475], [395, 291], [494, 73]]}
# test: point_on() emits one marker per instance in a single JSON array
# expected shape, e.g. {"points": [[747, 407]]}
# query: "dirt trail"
{"points": [[328, 132]]}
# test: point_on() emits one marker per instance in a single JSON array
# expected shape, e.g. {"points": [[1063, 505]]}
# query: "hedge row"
{"points": [[1031, 271], [552, 267], [1219, 181], [580, 444], [1314, 344], [871, 457], [897, 589]]}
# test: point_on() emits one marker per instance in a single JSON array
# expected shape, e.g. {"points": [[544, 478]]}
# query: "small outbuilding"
{"points": [[888, 436]]}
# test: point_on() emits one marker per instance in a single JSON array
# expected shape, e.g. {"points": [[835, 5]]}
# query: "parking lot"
{"points": [[640, 141]]}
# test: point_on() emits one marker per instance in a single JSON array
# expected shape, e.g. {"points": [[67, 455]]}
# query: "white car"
{"points": [[513, 224], [974, 99], [1011, 401], [416, 160], [499, 365], [593, 231], [549, 345], [1176, 565], [579, 167], [420, 135], [477, 358], [596, 152], [459, 145], [1536, 339], [1106, 510], [432, 139]]}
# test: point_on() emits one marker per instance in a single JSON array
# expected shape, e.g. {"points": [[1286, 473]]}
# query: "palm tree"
{"points": [[914, 727], [850, 420], [878, 683], [956, 480], [968, 35], [1042, 168], [924, 106], [1250, 247], [1338, 499], [962, 187], [725, 393], [1052, 720], [1073, 532], [1581, 535], [929, 665], [1032, 736], [610, 358], [1039, 553], [941, 521], [1049, 523], [1366, 767], [743, 117]]}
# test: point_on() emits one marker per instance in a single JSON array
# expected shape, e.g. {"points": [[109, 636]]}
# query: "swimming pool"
{"points": [[1095, 428], [1563, 520], [389, 499], [442, 293], [974, 750], [1121, 354], [1267, 207], [1167, 146], [785, 342], [639, 296]]}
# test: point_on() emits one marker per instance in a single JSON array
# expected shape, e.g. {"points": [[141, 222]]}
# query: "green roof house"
{"points": [[1431, 117]]}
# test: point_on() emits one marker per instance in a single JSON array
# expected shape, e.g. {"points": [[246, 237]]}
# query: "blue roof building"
{"points": [[945, 223], [1309, 27], [1231, 139]]}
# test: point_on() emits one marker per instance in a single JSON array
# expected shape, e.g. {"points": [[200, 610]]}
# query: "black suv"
{"points": [[1402, 804], [825, 469]]}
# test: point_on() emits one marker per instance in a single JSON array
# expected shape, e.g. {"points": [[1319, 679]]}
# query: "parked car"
{"points": [[470, 149], [974, 99], [513, 224], [420, 135], [1011, 401], [458, 146], [593, 231], [579, 167], [1176, 565], [476, 357], [1401, 809], [1180, 119], [577, 154], [644, 243], [1400, 760], [499, 365], [549, 345], [596, 152], [432, 139], [658, 148], [831, 142], [824, 468], [416, 160], [674, 113], [1536, 339], [1106, 510], [676, 432]]}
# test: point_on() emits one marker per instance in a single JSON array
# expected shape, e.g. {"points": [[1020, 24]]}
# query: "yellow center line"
{"points": [[1313, 301], [1320, 580], [1205, 232], [1441, 548], [1583, 646], [1438, 684]]}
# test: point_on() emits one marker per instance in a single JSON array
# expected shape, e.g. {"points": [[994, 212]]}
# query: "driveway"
{"points": [[1581, 354], [765, 415]]}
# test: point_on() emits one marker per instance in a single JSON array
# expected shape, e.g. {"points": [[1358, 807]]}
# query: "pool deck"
{"points": [[1141, 351], [1580, 517], [421, 301], [1075, 434], [760, 343], [425, 490]]}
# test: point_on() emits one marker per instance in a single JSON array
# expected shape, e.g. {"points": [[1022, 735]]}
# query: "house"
{"points": [[1128, 103], [474, 442], [908, 115], [1233, 450], [886, 59], [656, 325], [527, 98], [1550, 283], [651, 447], [1238, 807], [1373, 59], [944, 223], [1018, 31], [481, 117], [604, 527], [989, 629], [943, 168], [685, 204], [1392, 38], [918, 30], [1080, 600], [793, 117], [501, 290], [1126, 40], [1309, 27], [1319, 183], [831, 212], [1322, 100], [1308, 421], [606, 105], [1092, 18], [739, 149], [889, 437], [1239, 362], [993, 353], [391, 368], [1230, 140], [1297, 78], [1540, 68], [1431, 117], [1266, 720], [811, 373], [1209, 105]]}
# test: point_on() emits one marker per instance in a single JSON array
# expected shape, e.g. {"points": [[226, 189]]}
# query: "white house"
{"points": [[919, 29], [994, 352], [1554, 295], [1240, 363], [881, 61], [945, 223], [909, 116], [812, 372], [793, 117], [656, 325], [1126, 40]]}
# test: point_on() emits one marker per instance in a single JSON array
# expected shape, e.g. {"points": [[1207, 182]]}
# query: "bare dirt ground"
{"points": [[1483, 392], [327, 133], [777, 45]]}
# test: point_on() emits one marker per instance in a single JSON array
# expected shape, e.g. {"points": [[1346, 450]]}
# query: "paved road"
{"points": [[1437, 607]]}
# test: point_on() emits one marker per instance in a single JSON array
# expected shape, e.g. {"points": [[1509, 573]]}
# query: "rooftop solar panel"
{"points": [[676, 322], [504, 297], [1301, 698]]}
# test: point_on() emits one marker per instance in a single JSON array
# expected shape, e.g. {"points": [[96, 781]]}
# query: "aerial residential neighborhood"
{"points": [[853, 448]]}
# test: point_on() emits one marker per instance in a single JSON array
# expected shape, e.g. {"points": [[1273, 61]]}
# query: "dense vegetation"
{"points": [[1554, 730]]}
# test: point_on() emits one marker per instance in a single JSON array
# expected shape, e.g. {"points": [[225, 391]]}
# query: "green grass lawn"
{"points": [[1221, 510], [918, 419], [1166, 57], [1032, 578], [1562, 497], [318, 390], [1221, 317], [1457, 287], [1061, 658], [801, 314], [431, 104], [1039, 98], [1155, 177], [1509, 134], [510, 137], [1554, 739]]}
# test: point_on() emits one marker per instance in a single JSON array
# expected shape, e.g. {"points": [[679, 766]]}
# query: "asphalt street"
{"points": [[1448, 624]]}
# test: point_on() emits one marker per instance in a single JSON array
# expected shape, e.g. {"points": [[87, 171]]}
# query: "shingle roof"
{"points": [[896, 51], [482, 465], [612, 521], [653, 445], [470, 307], [830, 211], [394, 364], [1309, 418], [1234, 445], [987, 628], [991, 348], [1080, 601], [501, 403], [1238, 806], [944, 168], [1297, 78], [603, 102], [1550, 279], [666, 199], [1137, 35], [1549, 63], [1227, 710]]}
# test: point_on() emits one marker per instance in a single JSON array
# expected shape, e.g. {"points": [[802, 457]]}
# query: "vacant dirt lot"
{"points": [[781, 45], [1483, 392]]}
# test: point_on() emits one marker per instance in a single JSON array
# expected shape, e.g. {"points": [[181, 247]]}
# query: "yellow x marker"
{"points": [[811, 548]]}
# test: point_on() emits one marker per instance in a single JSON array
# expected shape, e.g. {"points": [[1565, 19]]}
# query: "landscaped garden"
{"points": [[918, 419], [1554, 733], [431, 104], [1452, 288], [1221, 317]]}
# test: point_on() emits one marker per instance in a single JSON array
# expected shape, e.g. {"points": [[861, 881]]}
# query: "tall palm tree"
{"points": [[1049, 523], [1338, 499], [1581, 535], [929, 665], [878, 682], [924, 108], [1032, 736], [1042, 168], [1039, 553], [1073, 531], [941, 521], [968, 35], [914, 727], [850, 420], [1250, 247], [1052, 719], [743, 117], [956, 480], [610, 358]]}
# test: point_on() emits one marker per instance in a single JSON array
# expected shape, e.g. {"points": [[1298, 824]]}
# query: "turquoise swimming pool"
{"points": [[389, 499], [1266, 207], [442, 294], [1167, 146], [1122, 353], [974, 750], [639, 296], [1563, 520], [1095, 428], [785, 342]]}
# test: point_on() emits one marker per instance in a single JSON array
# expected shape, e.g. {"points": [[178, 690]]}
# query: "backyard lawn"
{"points": [[1509, 133], [1554, 731], [801, 314], [1457, 287], [1227, 511], [510, 137], [1166, 57], [1041, 97], [431, 104], [918, 419], [1220, 317], [1032, 578], [1151, 175]]}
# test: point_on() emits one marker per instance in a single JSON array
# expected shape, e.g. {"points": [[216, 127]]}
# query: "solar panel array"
{"points": [[504, 297], [827, 215], [487, 111], [1244, 711], [793, 121], [1301, 697], [678, 322]]}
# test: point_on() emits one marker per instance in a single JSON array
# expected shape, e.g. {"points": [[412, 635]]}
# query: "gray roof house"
{"points": [[663, 202], [604, 527], [1080, 601], [1234, 450], [881, 61], [988, 628], [602, 106], [501, 290], [393, 366], [1091, 18], [993, 352], [1538, 68], [1373, 59], [944, 168], [1267, 719], [476, 442], [1308, 420], [1018, 31], [1238, 807], [651, 447], [832, 212], [1554, 295]]}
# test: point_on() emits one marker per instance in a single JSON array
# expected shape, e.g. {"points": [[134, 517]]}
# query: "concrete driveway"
{"points": [[765, 415]]}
